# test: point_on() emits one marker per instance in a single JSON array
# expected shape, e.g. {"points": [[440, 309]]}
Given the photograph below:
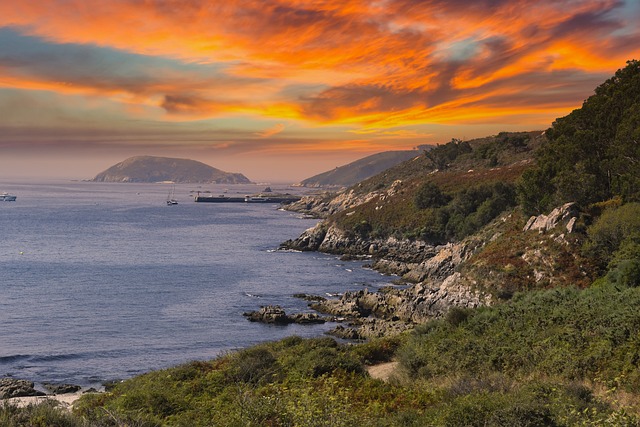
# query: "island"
{"points": [[159, 169]]}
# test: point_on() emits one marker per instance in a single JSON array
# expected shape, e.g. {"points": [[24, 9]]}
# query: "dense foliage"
{"points": [[593, 153], [463, 213], [429, 213]]}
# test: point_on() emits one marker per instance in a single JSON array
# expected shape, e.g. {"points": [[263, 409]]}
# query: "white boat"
{"points": [[6, 197], [171, 200]]}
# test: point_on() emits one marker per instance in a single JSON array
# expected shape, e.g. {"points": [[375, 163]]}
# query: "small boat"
{"points": [[171, 200], [6, 197]]}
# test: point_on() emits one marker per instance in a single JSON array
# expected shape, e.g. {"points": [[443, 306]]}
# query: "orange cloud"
{"points": [[271, 131], [356, 62]]}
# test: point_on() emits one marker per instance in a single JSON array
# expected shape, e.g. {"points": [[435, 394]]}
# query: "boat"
{"points": [[171, 197], [6, 197]]}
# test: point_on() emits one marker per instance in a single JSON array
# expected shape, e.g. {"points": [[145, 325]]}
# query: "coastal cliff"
{"points": [[468, 245], [510, 254]]}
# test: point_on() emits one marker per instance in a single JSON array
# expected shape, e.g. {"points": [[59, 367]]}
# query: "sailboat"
{"points": [[171, 200]]}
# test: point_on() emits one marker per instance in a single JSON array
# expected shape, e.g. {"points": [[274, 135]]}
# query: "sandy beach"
{"points": [[66, 400]]}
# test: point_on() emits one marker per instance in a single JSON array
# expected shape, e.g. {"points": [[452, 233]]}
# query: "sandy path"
{"points": [[382, 371], [65, 399]]}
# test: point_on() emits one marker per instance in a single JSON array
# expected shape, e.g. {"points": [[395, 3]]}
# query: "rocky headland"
{"points": [[432, 278]]}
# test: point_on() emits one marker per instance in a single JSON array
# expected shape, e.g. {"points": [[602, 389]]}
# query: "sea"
{"points": [[100, 282]]}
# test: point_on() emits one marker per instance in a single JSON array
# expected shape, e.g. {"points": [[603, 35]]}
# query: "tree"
{"points": [[429, 195], [592, 154]]}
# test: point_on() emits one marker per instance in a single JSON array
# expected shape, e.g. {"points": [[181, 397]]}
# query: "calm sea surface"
{"points": [[103, 281]]}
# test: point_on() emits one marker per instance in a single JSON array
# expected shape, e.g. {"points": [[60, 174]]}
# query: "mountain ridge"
{"points": [[359, 170]]}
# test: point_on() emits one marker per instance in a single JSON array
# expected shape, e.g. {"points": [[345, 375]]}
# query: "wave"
{"points": [[54, 357], [38, 358], [252, 295], [14, 358]]}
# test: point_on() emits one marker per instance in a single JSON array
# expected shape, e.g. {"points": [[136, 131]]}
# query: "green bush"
{"points": [[46, 414], [429, 195], [615, 226], [625, 273]]}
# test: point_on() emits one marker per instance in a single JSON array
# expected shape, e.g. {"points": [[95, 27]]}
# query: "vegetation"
{"points": [[47, 414], [593, 153], [544, 355], [448, 204], [559, 357]]}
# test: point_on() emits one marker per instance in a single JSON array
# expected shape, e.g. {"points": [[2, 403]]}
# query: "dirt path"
{"points": [[382, 371], [65, 399]]}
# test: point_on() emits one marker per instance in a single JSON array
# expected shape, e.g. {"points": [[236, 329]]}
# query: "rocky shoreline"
{"points": [[433, 280], [430, 285]]}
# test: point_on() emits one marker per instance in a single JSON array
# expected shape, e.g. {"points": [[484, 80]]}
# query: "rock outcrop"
{"points": [[393, 310], [325, 204], [274, 314], [61, 388], [10, 387], [437, 286], [566, 215]]}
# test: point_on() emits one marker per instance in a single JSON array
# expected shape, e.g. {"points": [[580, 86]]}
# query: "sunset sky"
{"points": [[281, 90]]}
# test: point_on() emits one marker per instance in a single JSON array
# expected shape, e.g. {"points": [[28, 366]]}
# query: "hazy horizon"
{"points": [[282, 91]]}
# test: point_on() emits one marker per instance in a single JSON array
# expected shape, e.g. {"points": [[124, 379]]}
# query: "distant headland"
{"points": [[159, 169]]}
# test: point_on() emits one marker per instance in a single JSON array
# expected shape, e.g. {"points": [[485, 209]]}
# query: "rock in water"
{"points": [[274, 314], [61, 388]]}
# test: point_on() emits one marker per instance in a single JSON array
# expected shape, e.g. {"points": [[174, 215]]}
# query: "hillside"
{"points": [[474, 222], [158, 169], [354, 172]]}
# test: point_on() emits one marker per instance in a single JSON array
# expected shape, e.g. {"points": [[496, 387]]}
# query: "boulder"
{"points": [[270, 314], [274, 314], [10, 387], [565, 214], [61, 388], [309, 240]]}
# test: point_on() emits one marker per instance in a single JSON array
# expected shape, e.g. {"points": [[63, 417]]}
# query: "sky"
{"points": [[281, 90]]}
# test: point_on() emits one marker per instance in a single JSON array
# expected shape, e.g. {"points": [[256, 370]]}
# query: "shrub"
{"points": [[45, 414], [625, 273], [429, 195], [254, 365], [615, 226]]}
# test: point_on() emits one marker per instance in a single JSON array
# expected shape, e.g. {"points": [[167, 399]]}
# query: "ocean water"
{"points": [[103, 281]]}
